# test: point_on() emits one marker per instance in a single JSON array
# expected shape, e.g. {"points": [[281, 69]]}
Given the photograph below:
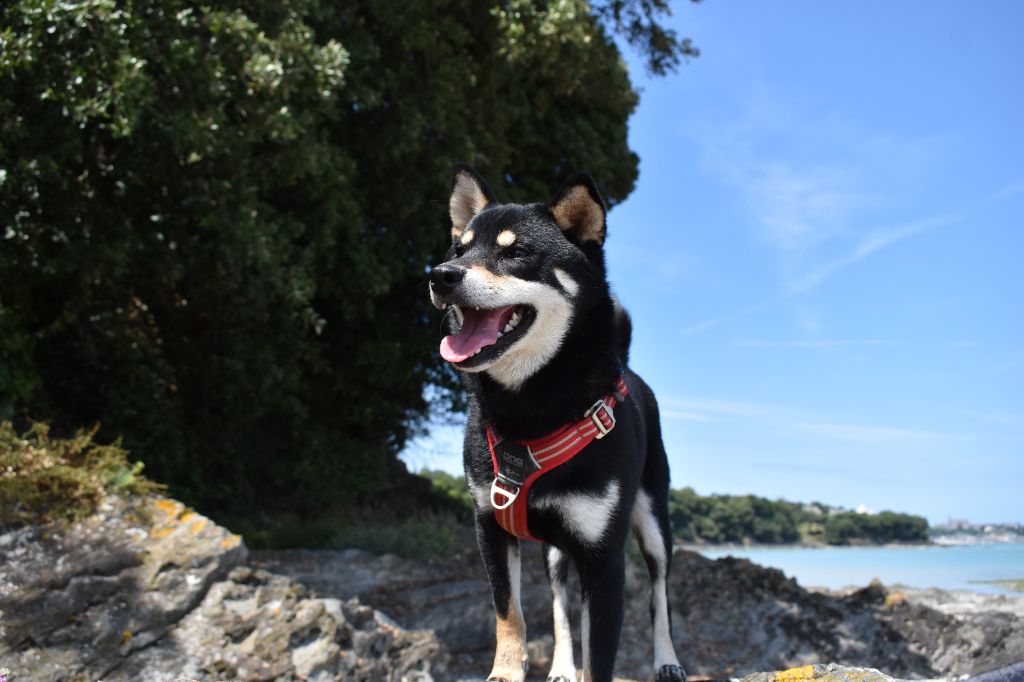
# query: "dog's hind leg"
{"points": [[651, 526], [556, 564], [500, 552]]}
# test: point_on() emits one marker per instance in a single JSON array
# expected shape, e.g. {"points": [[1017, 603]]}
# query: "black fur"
{"points": [[591, 356]]}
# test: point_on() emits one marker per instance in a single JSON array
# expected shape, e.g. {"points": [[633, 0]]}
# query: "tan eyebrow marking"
{"points": [[506, 238], [467, 236]]}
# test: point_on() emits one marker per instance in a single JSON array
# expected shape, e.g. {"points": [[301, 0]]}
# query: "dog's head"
{"points": [[517, 276]]}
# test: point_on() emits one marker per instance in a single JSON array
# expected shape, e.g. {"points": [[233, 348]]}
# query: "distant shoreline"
{"points": [[959, 541], [696, 547]]}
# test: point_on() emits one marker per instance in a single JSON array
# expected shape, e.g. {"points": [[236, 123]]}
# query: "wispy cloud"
{"points": [[1008, 191], [869, 435], [872, 242], [793, 419], [817, 344], [713, 322], [815, 185], [686, 416], [710, 406]]}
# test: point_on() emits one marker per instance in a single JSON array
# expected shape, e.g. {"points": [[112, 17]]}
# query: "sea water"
{"points": [[957, 567]]}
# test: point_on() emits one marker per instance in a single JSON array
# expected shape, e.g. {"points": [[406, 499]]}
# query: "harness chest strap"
{"points": [[518, 464]]}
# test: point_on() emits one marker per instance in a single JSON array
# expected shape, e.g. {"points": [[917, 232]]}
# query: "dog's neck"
{"points": [[583, 371]]}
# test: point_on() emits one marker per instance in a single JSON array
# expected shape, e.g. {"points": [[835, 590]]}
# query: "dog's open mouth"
{"points": [[485, 333]]}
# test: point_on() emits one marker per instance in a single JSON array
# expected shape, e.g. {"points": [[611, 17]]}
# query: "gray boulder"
{"points": [[146, 589]]}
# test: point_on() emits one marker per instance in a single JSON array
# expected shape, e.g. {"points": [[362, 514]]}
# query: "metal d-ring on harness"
{"points": [[518, 464]]}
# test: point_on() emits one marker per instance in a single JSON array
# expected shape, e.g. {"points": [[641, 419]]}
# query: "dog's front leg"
{"points": [[602, 579], [563, 669], [500, 552]]}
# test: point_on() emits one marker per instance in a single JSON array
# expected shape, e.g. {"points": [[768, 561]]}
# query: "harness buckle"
{"points": [[595, 416], [509, 495]]}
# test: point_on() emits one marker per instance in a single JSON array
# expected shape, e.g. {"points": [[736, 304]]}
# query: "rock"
{"points": [[731, 617], [259, 626], [146, 589], [820, 673]]}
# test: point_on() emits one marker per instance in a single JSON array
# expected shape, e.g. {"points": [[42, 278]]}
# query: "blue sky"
{"points": [[823, 255]]}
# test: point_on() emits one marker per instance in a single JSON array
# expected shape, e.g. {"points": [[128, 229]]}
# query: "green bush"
{"points": [[44, 479], [216, 217]]}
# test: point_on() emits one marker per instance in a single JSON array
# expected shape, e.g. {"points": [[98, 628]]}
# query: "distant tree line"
{"points": [[743, 519]]}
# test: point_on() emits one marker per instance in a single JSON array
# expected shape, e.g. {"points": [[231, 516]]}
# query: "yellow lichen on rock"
{"points": [[231, 541], [830, 672], [802, 674], [198, 525], [894, 598], [169, 507]]}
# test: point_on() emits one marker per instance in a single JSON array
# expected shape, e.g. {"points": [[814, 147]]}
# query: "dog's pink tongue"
{"points": [[479, 328]]}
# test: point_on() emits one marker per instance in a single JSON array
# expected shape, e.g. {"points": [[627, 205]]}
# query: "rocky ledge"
{"points": [[148, 590], [145, 589], [731, 617]]}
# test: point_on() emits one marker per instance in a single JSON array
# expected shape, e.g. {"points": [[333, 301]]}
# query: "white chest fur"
{"points": [[586, 515]]}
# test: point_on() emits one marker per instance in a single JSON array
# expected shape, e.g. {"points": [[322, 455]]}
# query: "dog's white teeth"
{"points": [[501, 334], [508, 327]]}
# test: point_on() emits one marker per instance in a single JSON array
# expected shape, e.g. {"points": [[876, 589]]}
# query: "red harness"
{"points": [[517, 464]]}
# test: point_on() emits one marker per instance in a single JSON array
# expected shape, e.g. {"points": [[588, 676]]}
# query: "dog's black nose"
{"points": [[445, 277]]}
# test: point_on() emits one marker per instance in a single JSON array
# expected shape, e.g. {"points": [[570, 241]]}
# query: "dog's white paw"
{"points": [[563, 671]]}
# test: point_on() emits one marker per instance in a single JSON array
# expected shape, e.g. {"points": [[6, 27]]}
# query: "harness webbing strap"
{"points": [[517, 464]]}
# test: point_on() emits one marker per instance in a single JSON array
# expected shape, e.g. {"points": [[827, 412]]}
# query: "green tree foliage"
{"points": [[742, 519], [850, 528], [215, 218], [732, 518]]}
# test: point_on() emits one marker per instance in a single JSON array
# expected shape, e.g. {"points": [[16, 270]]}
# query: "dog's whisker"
{"points": [[447, 311]]}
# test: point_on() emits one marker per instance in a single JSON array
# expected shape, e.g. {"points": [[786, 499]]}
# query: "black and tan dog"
{"points": [[541, 345]]}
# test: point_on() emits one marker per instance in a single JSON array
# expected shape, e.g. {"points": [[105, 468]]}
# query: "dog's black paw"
{"points": [[670, 673]]}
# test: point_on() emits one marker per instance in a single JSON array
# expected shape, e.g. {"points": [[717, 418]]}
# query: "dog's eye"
{"points": [[460, 250], [517, 251]]}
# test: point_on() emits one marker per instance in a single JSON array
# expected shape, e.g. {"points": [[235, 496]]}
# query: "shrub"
{"points": [[44, 479]]}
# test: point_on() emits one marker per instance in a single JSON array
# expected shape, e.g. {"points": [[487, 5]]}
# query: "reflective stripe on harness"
{"points": [[517, 464]]}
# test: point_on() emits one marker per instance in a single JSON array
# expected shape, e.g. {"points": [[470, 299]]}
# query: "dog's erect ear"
{"points": [[579, 210], [470, 195]]}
